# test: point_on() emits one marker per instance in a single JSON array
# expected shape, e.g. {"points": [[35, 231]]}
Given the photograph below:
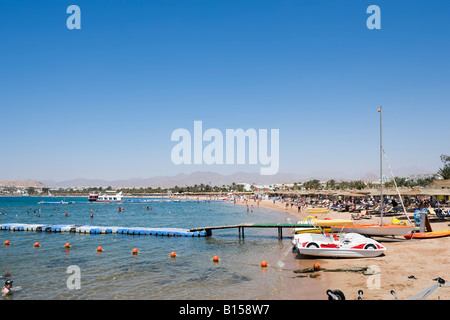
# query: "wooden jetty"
{"points": [[242, 226]]}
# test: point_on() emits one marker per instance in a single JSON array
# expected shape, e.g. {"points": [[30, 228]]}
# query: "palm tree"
{"points": [[331, 184], [444, 172]]}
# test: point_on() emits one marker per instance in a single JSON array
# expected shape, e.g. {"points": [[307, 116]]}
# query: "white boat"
{"points": [[98, 197], [376, 229], [344, 245]]}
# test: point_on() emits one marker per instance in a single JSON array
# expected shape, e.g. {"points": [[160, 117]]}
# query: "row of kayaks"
{"points": [[349, 240]]}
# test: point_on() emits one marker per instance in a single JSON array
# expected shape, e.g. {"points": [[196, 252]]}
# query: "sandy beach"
{"points": [[424, 259]]}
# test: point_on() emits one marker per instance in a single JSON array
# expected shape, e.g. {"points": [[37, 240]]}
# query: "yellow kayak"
{"points": [[310, 230], [314, 225], [318, 210], [327, 222], [398, 222]]}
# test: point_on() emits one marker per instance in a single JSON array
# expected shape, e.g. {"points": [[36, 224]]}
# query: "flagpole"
{"points": [[381, 167]]}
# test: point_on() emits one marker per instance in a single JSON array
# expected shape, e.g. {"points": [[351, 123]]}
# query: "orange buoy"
{"points": [[135, 251], [7, 243], [316, 266], [67, 245], [99, 249], [264, 263], [173, 254], [37, 244], [216, 259]]}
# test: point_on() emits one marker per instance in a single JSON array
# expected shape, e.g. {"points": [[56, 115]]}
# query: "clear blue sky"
{"points": [[102, 102]]}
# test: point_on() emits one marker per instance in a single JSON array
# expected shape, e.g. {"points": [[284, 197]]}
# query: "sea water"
{"points": [[115, 273]]}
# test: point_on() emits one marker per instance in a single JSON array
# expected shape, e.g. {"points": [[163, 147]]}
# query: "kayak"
{"points": [[312, 225], [318, 210], [310, 230], [428, 235]]}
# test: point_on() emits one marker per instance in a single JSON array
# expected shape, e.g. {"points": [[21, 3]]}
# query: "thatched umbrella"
{"points": [[436, 192], [413, 192], [389, 192], [350, 194]]}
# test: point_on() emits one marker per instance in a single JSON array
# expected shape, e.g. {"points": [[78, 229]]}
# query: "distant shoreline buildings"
{"points": [[25, 187]]}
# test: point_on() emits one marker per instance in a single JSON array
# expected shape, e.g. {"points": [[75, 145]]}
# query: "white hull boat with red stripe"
{"points": [[344, 245]]}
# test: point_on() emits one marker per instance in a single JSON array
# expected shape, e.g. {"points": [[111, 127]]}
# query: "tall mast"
{"points": [[381, 168]]}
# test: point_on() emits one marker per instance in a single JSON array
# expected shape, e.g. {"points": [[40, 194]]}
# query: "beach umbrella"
{"points": [[413, 192], [350, 194], [436, 192], [389, 192]]}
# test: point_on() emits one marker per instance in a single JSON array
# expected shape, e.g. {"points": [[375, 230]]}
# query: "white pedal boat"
{"points": [[344, 245]]}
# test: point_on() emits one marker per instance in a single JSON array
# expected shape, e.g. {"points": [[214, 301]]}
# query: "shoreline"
{"points": [[425, 259], [407, 267]]}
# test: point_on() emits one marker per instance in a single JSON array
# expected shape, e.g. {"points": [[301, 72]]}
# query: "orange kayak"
{"points": [[427, 235]]}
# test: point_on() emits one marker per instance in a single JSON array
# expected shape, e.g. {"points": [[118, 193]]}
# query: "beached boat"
{"points": [[344, 245], [314, 225], [98, 197], [375, 229], [311, 230], [428, 235], [318, 210], [378, 229]]}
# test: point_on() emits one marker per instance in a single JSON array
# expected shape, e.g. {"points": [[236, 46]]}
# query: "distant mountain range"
{"points": [[217, 179], [22, 183]]}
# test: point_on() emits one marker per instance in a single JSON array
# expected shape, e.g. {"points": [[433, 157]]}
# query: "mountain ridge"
{"points": [[217, 179]]}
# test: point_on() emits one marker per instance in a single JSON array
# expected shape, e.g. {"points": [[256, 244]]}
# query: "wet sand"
{"points": [[424, 259]]}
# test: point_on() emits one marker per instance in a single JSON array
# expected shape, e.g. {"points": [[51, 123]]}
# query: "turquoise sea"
{"points": [[115, 273]]}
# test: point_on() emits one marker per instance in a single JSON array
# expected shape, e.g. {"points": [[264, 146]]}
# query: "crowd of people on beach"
{"points": [[368, 204]]}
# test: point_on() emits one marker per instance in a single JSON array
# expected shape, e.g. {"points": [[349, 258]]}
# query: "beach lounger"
{"points": [[376, 209]]}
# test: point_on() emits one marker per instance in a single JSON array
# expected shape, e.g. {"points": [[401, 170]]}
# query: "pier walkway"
{"points": [[242, 226], [194, 232]]}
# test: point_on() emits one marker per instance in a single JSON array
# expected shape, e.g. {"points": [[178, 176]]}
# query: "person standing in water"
{"points": [[7, 287], [92, 213]]}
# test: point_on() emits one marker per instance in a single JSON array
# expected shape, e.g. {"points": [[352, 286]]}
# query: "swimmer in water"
{"points": [[6, 290]]}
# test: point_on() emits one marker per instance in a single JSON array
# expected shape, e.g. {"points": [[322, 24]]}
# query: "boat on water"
{"points": [[344, 245], [98, 197]]}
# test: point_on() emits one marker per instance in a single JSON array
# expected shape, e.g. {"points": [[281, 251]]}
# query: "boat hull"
{"points": [[310, 230], [375, 230], [332, 223], [341, 253], [350, 245], [428, 235]]}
